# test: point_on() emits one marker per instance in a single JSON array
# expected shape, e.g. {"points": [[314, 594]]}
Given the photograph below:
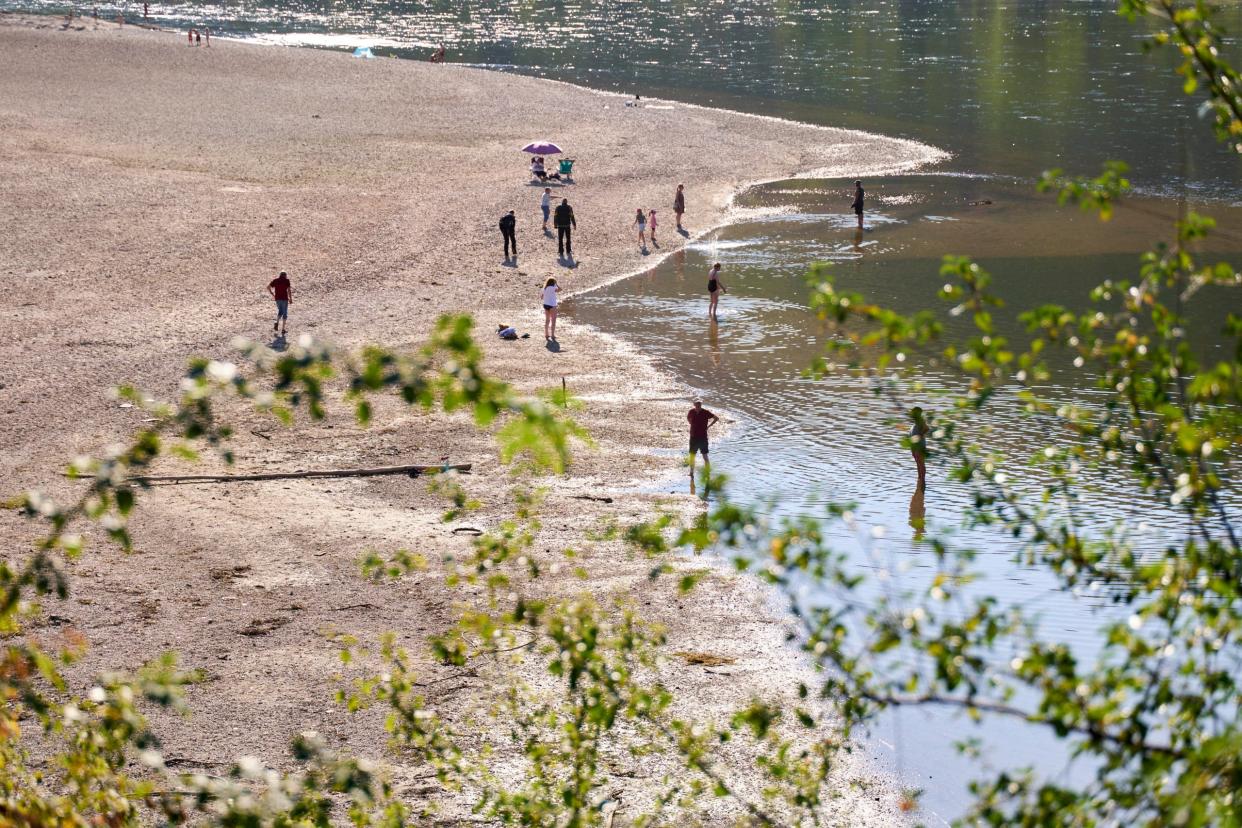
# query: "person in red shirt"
{"points": [[282, 292], [700, 420]]}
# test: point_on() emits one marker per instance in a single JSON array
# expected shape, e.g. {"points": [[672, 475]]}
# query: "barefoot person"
{"points": [[282, 292], [857, 204], [545, 205], [640, 221], [651, 223], [918, 443], [700, 420], [679, 203], [715, 287], [548, 294]]}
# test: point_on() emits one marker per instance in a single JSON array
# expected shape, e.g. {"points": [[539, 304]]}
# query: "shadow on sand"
{"points": [[553, 346]]}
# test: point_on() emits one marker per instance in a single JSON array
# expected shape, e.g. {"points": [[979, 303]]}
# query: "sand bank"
{"points": [[149, 191]]}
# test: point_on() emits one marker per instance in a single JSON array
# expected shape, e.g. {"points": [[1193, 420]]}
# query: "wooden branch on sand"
{"points": [[411, 470]]}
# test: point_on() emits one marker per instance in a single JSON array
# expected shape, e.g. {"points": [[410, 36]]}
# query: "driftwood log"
{"points": [[411, 470]]}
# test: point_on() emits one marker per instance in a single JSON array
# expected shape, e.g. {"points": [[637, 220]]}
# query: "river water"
{"points": [[1009, 88]]}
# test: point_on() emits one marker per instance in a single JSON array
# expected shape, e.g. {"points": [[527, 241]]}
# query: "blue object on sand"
{"points": [[363, 52]]}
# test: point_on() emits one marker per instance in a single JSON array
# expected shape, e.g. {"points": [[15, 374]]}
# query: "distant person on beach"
{"points": [[146, 11], [282, 291], [700, 420], [640, 221], [918, 443], [537, 169], [545, 206], [548, 295], [508, 230], [857, 204], [207, 37], [189, 37], [198, 38], [438, 55], [715, 287], [651, 223], [565, 223], [679, 203]]}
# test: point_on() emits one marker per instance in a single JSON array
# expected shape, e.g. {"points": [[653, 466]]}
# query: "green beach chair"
{"points": [[567, 168]]}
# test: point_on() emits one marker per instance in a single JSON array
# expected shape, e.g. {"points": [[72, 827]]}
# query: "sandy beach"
{"points": [[148, 193]]}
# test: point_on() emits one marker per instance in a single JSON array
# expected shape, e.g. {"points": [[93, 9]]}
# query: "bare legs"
{"points": [[711, 307], [549, 323]]}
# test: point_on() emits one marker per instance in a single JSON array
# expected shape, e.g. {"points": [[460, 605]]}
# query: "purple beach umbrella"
{"points": [[542, 148]]}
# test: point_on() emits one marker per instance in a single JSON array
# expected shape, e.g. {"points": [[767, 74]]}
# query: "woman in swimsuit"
{"points": [[640, 221], [651, 222], [715, 287], [918, 443]]}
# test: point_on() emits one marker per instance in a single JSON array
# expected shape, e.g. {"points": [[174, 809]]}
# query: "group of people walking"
{"points": [[565, 222]]}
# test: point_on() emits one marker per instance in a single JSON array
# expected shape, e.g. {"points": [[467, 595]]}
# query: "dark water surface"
{"points": [[1008, 86]]}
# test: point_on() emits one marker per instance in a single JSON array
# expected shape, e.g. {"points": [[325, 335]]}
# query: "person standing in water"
{"points": [[679, 203], [640, 221], [918, 443], [548, 294], [282, 291], [700, 420], [715, 287], [857, 204]]}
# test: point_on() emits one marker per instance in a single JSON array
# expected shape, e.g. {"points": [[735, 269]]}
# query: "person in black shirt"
{"points": [[564, 221], [858, 202], [508, 229]]}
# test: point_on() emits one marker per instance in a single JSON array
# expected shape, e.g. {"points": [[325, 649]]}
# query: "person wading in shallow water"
{"points": [[715, 287], [918, 443], [857, 204], [700, 420]]}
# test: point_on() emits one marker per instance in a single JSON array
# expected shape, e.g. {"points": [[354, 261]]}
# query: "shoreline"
{"points": [[723, 618]]}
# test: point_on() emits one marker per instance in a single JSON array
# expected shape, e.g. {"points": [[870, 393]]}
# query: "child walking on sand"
{"points": [[651, 222], [282, 292], [640, 221], [550, 289]]}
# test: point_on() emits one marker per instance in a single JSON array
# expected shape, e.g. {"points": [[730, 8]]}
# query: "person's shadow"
{"points": [[644, 250], [553, 346], [567, 261], [278, 343], [510, 262], [547, 234], [683, 232]]}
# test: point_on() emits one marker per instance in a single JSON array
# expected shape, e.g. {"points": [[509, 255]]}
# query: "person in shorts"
{"points": [[282, 292], [545, 204], [700, 420], [679, 203]]}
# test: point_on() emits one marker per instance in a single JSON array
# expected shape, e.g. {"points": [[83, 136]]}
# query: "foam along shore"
{"points": [[148, 192]]}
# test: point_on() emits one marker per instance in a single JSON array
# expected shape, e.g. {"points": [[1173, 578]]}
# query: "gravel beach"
{"points": [[148, 193]]}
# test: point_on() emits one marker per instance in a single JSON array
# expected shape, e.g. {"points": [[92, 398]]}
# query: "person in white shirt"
{"points": [[545, 204], [550, 289]]}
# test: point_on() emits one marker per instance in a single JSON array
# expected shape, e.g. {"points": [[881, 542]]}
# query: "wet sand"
{"points": [[148, 193]]}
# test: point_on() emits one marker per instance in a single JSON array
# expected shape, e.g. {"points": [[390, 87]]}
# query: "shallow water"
{"points": [[804, 443]]}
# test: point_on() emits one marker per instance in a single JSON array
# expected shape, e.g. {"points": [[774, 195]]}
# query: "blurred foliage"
{"points": [[1156, 710]]}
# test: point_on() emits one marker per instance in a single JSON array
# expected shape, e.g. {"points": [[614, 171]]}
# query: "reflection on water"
{"points": [[1007, 86], [806, 442]]}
